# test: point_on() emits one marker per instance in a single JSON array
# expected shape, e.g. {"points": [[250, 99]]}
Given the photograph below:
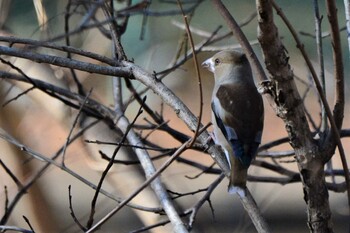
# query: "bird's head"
{"points": [[228, 64]]}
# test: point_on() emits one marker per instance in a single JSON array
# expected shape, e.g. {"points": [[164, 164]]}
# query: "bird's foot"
{"points": [[210, 139]]}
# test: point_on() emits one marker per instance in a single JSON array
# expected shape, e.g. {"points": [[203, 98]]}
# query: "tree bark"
{"points": [[290, 108]]}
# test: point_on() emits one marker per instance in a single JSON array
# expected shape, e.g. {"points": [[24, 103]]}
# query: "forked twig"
{"points": [[165, 165]]}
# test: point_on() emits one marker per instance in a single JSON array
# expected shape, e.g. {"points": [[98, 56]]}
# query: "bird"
{"points": [[237, 113]]}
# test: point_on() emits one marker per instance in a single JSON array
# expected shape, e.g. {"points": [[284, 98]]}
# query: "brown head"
{"points": [[229, 64]]}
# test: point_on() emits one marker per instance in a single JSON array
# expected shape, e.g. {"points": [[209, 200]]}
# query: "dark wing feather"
{"points": [[241, 122]]}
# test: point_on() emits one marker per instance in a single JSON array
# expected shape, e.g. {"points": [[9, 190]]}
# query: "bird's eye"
{"points": [[217, 61]]}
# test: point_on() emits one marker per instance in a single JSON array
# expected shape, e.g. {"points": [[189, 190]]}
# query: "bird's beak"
{"points": [[207, 64]]}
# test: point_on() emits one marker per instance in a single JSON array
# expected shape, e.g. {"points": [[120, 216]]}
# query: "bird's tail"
{"points": [[238, 177], [237, 190]]}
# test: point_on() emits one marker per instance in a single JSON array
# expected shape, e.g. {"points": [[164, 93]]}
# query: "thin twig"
{"points": [[67, 40], [347, 16], [318, 36], [105, 172], [6, 207], [18, 96], [10, 173], [318, 33], [10, 64], [323, 35], [115, 31], [72, 211], [195, 61], [73, 126], [194, 210], [29, 224], [15, 229], [338, 109]]}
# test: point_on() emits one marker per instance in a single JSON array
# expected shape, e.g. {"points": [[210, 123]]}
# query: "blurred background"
{"points": [[43, 123]]}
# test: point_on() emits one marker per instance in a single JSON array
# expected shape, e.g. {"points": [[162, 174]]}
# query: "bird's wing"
{"points": [[238, 112]]}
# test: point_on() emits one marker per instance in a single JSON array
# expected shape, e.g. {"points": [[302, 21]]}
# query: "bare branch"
{"points": [[194, 210], [15, 229], [338, 111], [73, 126], [32, 44], [318, 33], [198, 74], [72, 211], [66, 62], [28, 222], [253, 211], [347, 16], [13, 176]]}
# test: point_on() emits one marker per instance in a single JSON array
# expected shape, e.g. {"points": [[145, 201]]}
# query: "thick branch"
{"points": [[254, 212]]}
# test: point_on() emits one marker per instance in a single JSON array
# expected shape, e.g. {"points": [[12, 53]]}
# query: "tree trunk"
{"points": [[289, 107]]}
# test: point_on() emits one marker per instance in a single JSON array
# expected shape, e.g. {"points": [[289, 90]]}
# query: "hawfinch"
{"points": [[237, 112]]}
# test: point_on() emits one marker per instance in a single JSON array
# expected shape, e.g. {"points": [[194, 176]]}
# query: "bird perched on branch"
{"points": [[237, 113]]}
